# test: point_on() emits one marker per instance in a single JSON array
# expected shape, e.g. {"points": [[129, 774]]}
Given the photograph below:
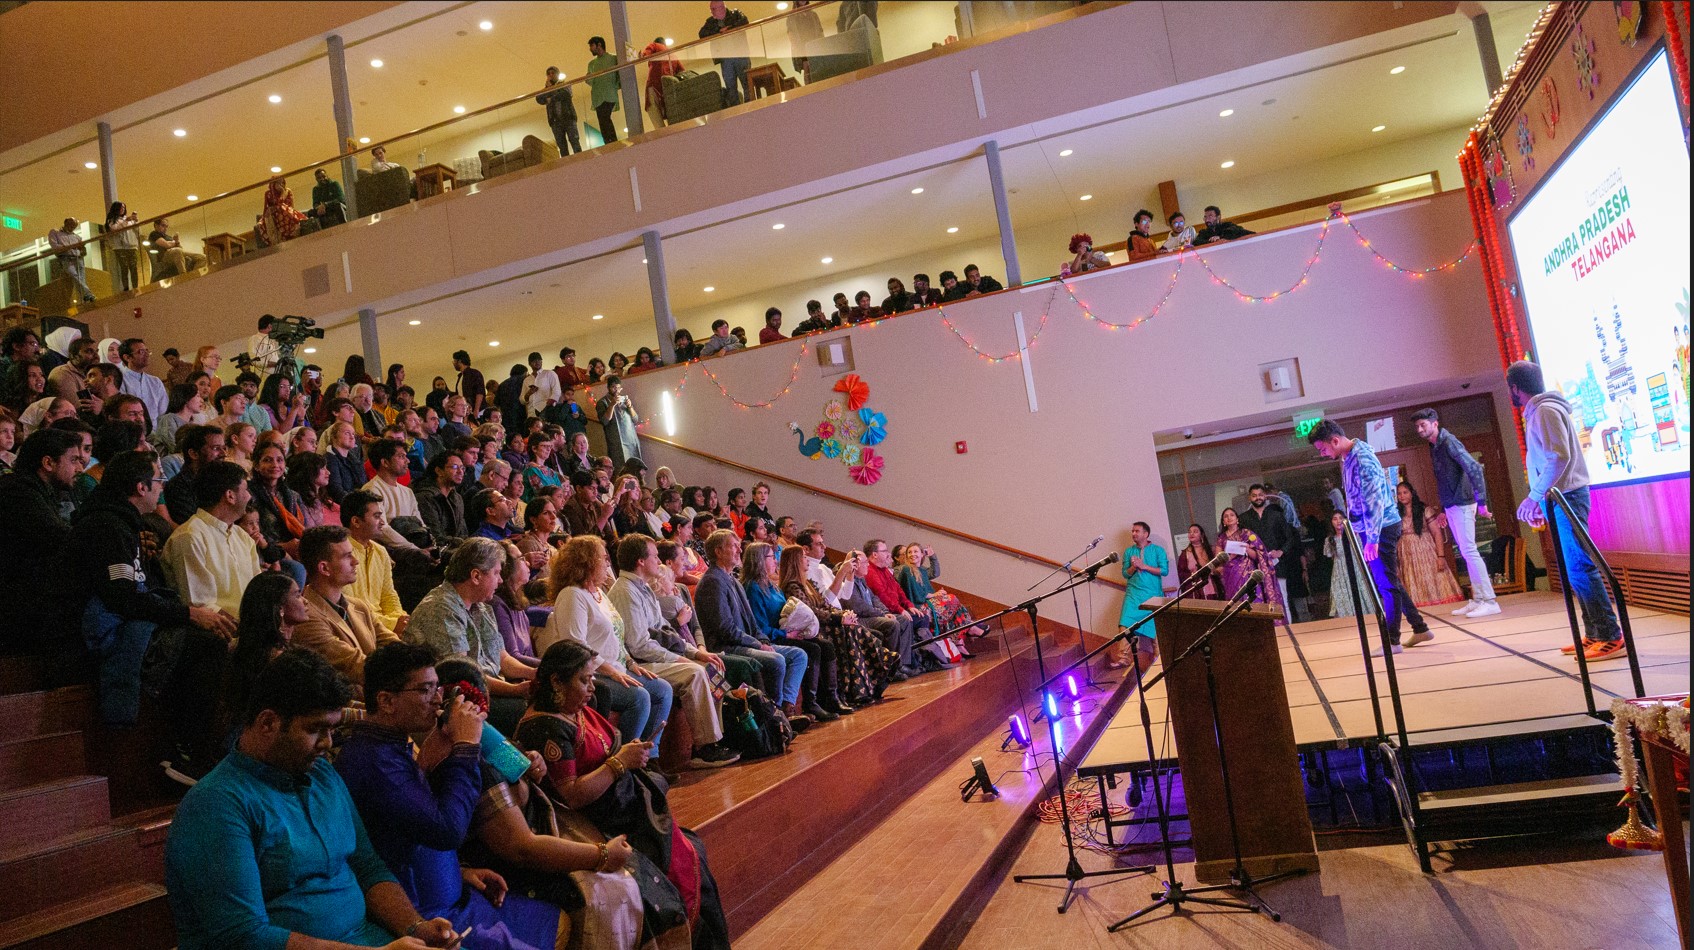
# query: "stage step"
{"points": [[133, 916], [1519, 796], [1516, 729]]}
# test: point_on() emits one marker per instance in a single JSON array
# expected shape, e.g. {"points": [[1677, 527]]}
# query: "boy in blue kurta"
{"points": [[1144, 568], [268, 844]]}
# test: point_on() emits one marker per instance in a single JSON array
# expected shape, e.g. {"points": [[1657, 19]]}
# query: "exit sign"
{"points": [[1304, 424], [15, 224]]}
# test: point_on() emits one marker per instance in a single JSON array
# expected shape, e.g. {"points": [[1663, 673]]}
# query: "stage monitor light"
{"points": [[1052, 706], [1070, 686], [1020, 730], [978, 782]]}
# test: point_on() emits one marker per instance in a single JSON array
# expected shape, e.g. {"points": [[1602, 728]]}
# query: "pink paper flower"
{"points": [[869, 469]]}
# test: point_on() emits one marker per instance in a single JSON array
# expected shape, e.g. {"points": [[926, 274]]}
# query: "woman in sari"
{"points": [[1424, 571], [1334, 547], [864, 664], [591, 771], [1241, 563], [916, 568], [1198, 552], [539, 474], [279, 221]]}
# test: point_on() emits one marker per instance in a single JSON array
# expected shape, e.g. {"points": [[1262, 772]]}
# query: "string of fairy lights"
{"points": [[1088, 312]]}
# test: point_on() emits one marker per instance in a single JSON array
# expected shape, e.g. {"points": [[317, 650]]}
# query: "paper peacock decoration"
{"points": [[846, 432]]}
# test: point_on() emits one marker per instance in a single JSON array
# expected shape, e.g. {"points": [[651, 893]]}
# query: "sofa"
{"points": [[533, 151], [380, 191], [858, 46], [690, 95]]}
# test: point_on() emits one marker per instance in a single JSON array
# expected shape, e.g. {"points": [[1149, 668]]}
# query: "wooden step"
{"points": [[38, 759], [1514, 729], [23, 715], [22, 674], [38, 814], [37, 877], [133, 916], [1521, 794]]}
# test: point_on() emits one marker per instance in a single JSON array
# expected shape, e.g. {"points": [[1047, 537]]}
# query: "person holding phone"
{"points": [[619, 419]]}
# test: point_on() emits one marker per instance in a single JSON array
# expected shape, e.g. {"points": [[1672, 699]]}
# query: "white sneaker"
{"points": [[1469, 606], [1486, 608], [1394, 648], [1416, 637]]}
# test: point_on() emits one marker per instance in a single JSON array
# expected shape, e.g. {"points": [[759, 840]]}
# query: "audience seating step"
{"points": [[39, 813], [1516, 729], [36, 759], [36, 877], [21, 674], [133, 916], [23, 715]]}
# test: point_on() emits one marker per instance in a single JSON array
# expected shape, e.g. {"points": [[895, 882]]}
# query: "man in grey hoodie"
{"points": [[1554, 459]]}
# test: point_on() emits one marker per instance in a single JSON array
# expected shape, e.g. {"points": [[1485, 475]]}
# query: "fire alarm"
{"points": [[137, 312], [960, 447]]}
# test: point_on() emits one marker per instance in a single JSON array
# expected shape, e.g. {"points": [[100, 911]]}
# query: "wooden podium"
{"points": [[1264, 767]]}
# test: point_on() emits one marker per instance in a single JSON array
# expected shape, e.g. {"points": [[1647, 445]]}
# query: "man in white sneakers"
{"points": [[1458, 478]]}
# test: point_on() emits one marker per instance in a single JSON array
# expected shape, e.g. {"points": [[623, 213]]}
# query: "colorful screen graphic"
{"points": [[1603, 257]]}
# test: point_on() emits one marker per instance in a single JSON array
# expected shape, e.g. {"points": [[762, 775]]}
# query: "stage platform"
{"points": [[1495, 676]]}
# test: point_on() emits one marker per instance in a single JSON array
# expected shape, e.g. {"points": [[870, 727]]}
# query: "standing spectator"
{"points": [[803, 28], [329, 203], [619, 419], [736, 88], [603, 88], [1336, 548], [863, 311], [141, 384], [68, 247], [169, 245], [722, 341], [36, 533], [1464, 496], [561, 112], [1144, 568], [816, 320], [772, 330], [509, 396], [1181, 235], [683, 342], [1217, 229], [126, 245], [1376, 518], [658, 67], [979, 284], [1554, 459], [541, 389], [209, 559], [1282, 545], [1141, 246], [470, 384], [843, 309], [1337, 501], [1423, 564]]}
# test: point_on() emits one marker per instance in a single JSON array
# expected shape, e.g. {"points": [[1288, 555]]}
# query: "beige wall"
{"points": [[1048, 481]]}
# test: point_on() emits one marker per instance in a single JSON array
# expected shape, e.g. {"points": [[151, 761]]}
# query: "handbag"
{"points": [[798, 620]]}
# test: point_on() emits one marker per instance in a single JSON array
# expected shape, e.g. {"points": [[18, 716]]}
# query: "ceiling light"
{"points": [[598, 316], [1066, 153], [829, 260], [782, 6], [458, 110], [179, 133], [710, 289], [669, 41], [493, 342], [917, 191], [1226, 113], [311, 349], [276, 169], [413, 323], [376, 64], [1086, 198], [485, 26], [1396, 70], [275, 98], [364, 140], [90, 164], [1229, 164], [953, 230], [193, 197], [778, 227]]}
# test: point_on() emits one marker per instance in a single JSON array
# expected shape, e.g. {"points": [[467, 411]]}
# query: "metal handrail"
{"points": [[1586, 541], [1357, 549]]}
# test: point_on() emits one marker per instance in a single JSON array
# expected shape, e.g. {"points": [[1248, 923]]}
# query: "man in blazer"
{"points": [[343, 629]]}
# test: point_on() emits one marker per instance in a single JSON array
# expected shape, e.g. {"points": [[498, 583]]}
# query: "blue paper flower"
{"points": [[831, 449], [875, 426], [850, 454]]}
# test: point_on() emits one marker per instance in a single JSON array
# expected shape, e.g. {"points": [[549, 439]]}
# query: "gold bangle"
{"points": [[605, 857], [616, 765]]}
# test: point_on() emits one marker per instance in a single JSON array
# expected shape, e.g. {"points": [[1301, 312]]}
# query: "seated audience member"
{"points": [[585, 512], [108, 599], [271, 557], [917, 568], [281, 516], [235, 869], [772, 330], [172, 258], [209, 559], [864, 664], [389, 457], [8, 443], [185, 404], [649, 640], [979, 284], [863, 311], [729, 625], [308, 478], [329, 204], [1084, 257], [778, 622], [1181, 235], [721, 341], [440, 504], [897, 630], [362, 516], [761, 504], [417, 802], [1140, 241], [455, 619], [340, 447], [271, 607], [491, 514], [577, 581], [816, 320], [35, 532], [341, 628], [200, 447], [511, 608], [879, 577], [1217, 229], [785, 531], [591, 772], [898, 300], [923, 295], [102, 382]]}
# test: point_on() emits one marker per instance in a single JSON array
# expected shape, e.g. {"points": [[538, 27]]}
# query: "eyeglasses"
{"points": [[428, 690]]}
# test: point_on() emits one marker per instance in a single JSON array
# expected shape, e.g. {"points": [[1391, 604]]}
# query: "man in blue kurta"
{"points": [[418, 819], [267, 851], [1144, 568]]}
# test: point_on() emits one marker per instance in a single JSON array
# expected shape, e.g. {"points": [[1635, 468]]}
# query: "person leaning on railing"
{"points": [[67, 246]]}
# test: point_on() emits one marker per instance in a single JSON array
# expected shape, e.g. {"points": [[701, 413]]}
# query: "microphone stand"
{"points": [[1175, 895], [1076, 605]]}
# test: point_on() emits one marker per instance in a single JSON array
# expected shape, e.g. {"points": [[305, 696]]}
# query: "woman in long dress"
{"points": [[1238, 566], [864, 664], [1199, 551], [1423, 537], [1335, 548], [279, 222]]}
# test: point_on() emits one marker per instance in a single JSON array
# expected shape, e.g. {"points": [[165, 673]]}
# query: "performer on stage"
{"points": [[1144, 568], [1198, 552], [1247, 556]]}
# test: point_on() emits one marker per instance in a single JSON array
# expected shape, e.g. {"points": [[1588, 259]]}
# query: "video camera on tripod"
{"points": [[286, 332]]}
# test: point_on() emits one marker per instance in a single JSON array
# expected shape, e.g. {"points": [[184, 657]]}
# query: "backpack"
{"points": [[753, 725]]}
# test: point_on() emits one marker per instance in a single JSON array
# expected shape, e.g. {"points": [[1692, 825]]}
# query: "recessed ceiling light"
{"points": [[413, 323], [458, 110], [598, 316], [1226, 113], [276, 169], [1378, 128], [644, 260], [917, 191], [311, 349], [179, 133], [485, 26], [376, 64], [829, 260], [1086, 198], [669, 41], [782, 6], [1229, 164], [710, 289], [193, 197], [1066, 153], [1396, 70], [364, 140], [275, 98], [778, 226], [493, 342], [90, 164], [953, 230]]}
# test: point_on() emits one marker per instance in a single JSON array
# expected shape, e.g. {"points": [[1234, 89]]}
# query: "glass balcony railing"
{"points": [[678, 78]]}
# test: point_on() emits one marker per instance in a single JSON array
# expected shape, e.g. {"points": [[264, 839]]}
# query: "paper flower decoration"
{"points": [[858, 391], [869, 469], [850, 453], [834, 411], [826, 430], [876, 426], [849, 430], [831, 449]]}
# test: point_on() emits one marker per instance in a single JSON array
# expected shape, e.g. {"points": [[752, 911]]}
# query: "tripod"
{"points": [[1073, 872], [1175, 894]]}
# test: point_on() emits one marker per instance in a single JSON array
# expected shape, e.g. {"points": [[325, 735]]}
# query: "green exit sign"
{"points": [[15, 224], [1303, 425]]}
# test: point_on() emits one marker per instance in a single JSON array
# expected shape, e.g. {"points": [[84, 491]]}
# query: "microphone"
{"points": [[1216, 562], [1254, 581], [1097, 565], [1095, 543]]}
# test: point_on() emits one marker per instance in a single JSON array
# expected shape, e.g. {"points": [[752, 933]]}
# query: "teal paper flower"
{"points": [[850, 454], [831, 449]]}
